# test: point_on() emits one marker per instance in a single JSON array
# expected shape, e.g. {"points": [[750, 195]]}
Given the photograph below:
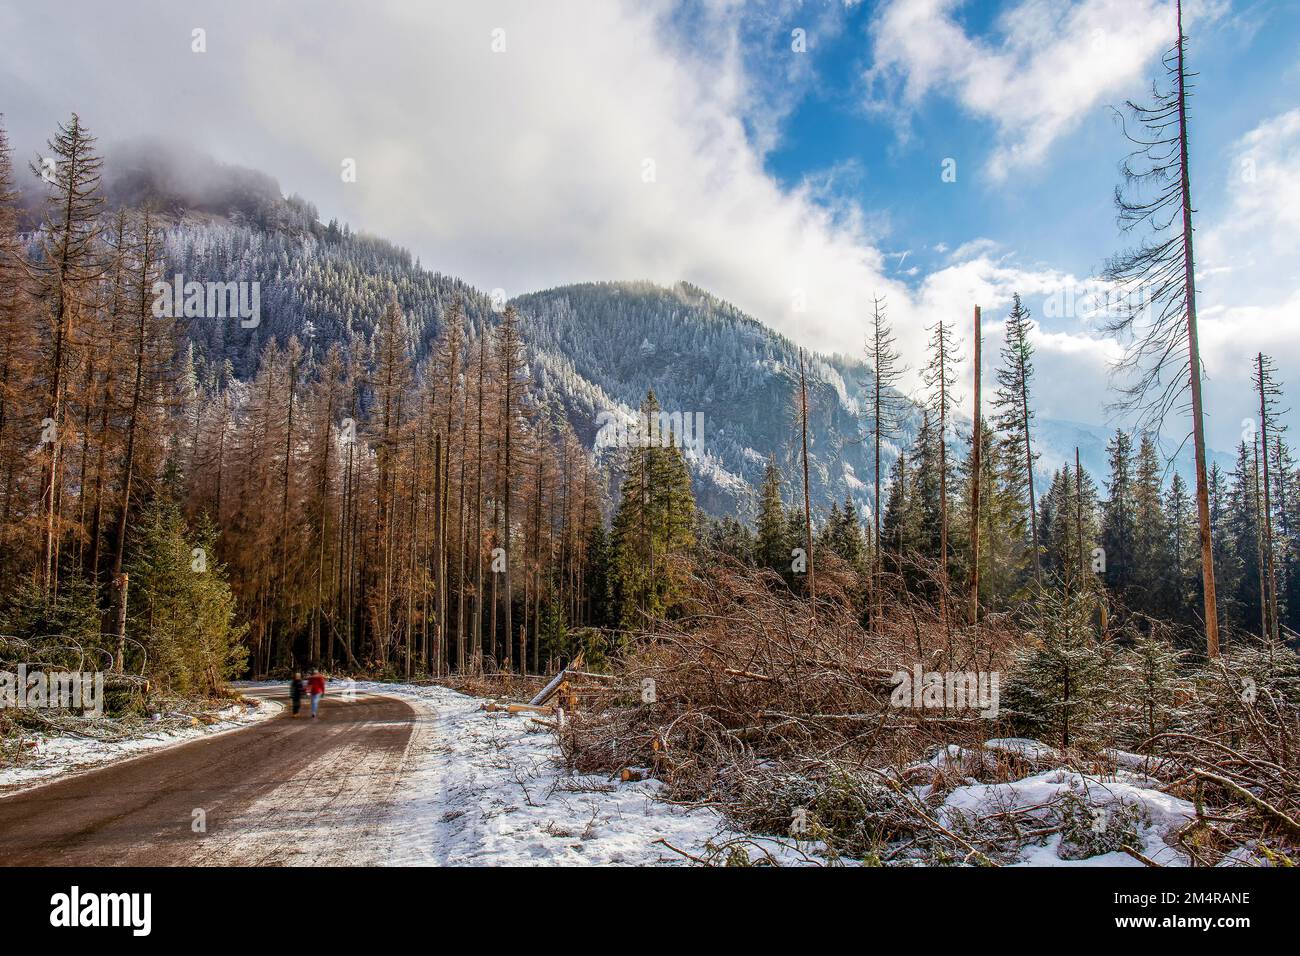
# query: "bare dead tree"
{"points": [[976, 441], [70, 262], [1156, 282], [885, 411], [1270, 393], [939, 376], [807, 506]]}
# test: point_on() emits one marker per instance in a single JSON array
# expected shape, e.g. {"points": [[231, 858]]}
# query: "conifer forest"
{"points": [[668, 435]]}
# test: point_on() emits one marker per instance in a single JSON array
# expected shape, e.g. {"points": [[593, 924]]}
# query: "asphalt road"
{"points": [[284, 791]]}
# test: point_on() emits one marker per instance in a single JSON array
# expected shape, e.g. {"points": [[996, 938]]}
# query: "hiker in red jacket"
{"points": [[316, 688]]}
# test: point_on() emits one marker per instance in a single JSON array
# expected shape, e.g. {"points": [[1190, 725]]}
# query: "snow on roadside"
{"points": [[58, 755], [488, 789]]}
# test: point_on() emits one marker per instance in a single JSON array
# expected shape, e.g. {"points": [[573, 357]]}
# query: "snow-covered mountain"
{"points": [[593, 348], [702, 355]]}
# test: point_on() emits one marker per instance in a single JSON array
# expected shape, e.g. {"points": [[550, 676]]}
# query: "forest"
{"points": [[387, 491], [351, 496]]}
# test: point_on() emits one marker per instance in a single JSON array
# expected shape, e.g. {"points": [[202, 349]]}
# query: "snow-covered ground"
{"points": [[57, 755], [484, 789], [1105, 806], [1083, 818], [479, 788]]}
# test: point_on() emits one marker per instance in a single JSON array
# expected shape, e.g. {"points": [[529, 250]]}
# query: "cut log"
{"points": [[492, 707], [549, 691], [751, 675], [528, 709]]}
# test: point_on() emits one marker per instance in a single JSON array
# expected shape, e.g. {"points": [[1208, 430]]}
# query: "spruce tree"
{"points": [[849, 542], [898, 531], [182, 609], [1243, 579], [1058, 522], [1287, 505], [827, 533], [929, 460], [1152, 562], [727, 536], [554, 636], [1059, 688], [1015, 417], [1147, 677], [1225, 569], [1183, 582], [597, 584], [1117, 533], [772, 547], [653, 527]]}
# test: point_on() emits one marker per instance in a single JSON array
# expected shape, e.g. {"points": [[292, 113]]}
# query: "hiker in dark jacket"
{"points": [[295, 692]]}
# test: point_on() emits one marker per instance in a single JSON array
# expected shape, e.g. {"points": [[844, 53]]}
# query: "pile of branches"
{"points": [[772, 709], [498, 685], [57, 652], [759, 703], [62, 653], [1236, 754], [132, 708]]}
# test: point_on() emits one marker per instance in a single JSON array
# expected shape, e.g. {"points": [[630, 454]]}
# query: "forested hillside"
{"points": [[388, 417], [701, 354], [324, 464], [590, 348]]}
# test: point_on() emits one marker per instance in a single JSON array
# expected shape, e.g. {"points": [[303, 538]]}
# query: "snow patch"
{"points": [[488, 789], [1085, 812]]}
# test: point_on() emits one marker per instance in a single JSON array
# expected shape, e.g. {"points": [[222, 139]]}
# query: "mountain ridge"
{"points": [[592, 347]]}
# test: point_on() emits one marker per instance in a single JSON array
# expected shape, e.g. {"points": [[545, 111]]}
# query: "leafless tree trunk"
{"points": [[807, 503], [976, 442]]}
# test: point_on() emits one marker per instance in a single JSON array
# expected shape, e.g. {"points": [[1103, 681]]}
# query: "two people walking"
{"points": [[313, 686]]}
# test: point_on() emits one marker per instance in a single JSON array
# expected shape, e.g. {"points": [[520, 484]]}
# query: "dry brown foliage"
{"points": [[764, 709], [759, 703]]}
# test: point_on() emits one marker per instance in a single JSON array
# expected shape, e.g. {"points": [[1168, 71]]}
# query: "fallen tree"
{"points": [[787, 723]]}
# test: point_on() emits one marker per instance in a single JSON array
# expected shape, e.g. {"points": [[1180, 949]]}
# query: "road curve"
{"points": [[285, 791]]}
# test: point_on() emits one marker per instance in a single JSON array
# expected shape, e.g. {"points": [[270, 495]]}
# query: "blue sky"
{"points": [[1060, 212], [880, 152], [521, 146]]}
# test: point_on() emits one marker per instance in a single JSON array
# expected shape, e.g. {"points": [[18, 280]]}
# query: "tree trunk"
{"points": [[1268, 568], [807, 504], [1194, 364], [975, 485], [119, 662]]}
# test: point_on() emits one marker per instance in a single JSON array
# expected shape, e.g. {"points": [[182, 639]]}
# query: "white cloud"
{"points": [[1250, 249], [524, 169], [521, 169], [1248, 275], [983, 275], [1049, 64]]}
